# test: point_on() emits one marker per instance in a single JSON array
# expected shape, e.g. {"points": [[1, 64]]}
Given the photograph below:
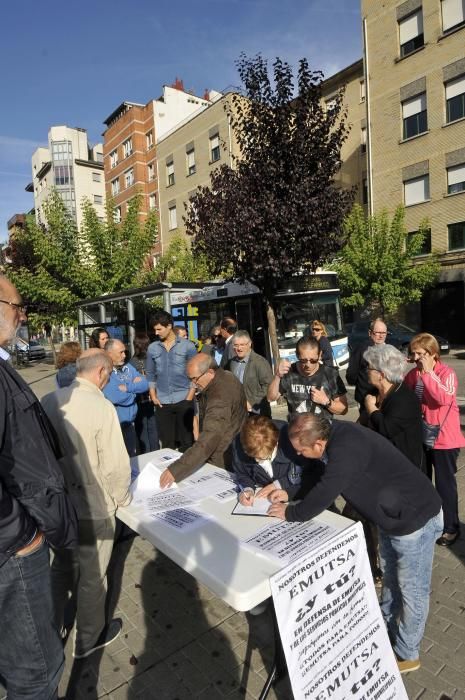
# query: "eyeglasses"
{"points": [[20, 307], [306, 361], [418, 354], [195, 380]]}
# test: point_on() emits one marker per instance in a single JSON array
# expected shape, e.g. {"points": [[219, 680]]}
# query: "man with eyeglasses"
{"points": [[307, 385], [357, 371], [35, 512], [222, 411]]}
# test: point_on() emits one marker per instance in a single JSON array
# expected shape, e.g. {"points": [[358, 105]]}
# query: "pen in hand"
{"points": [[246, 497]]}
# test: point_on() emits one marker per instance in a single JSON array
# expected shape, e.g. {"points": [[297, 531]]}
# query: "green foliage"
{"points": [[179, 264], [376, 267], [55, 265]]}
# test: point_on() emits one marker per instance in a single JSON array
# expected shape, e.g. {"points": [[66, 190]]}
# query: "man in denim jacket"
{"points": [[170, 387]]}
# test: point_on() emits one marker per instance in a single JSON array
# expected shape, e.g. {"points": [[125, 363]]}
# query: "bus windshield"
{"points": [[296, 313]]}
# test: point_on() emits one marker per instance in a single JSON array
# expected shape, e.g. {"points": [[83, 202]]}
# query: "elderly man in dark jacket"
{"points": [[34, 511], [222, 411], [253, 371]]}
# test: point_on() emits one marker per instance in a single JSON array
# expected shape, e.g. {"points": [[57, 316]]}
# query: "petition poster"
{"points": [[331, 627]]}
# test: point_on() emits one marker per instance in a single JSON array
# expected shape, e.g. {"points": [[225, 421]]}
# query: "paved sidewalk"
{"points": [[179, 642]]}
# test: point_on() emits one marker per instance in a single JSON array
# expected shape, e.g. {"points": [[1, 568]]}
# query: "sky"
{"points": [[74, 63]]}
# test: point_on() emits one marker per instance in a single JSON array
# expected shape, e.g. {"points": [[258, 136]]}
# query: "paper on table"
{"points": [[213, 485], [288, 541], [168, 499], [162, 458], [148, 483], [182, 519], [259, 507], [230, 488], [226, 495]]}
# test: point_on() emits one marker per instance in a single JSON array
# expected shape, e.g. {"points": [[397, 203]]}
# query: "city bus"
{"points": [[199, 306]]}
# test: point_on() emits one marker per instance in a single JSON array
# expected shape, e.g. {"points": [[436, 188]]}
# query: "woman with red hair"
{"points": [[435, 384]]}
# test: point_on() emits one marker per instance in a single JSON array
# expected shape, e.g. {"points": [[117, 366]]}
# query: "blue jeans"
{"points": [[130, 438], [146, 428], [31, 651], [407, 563]]}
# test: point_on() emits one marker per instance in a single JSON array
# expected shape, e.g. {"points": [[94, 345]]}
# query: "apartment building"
{"points": [[415, 80], [186, 156], [73, 168], [130, 145], [353, 171]]}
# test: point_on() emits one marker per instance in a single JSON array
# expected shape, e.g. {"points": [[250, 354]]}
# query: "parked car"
{"points": [[398, 335], [27, 351]]}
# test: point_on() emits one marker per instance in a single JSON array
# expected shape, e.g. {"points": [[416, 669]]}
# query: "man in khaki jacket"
{"points": [[97, 474]]}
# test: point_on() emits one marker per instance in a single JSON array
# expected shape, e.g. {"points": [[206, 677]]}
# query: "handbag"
{"points": [[431, 431], [430, 434]]}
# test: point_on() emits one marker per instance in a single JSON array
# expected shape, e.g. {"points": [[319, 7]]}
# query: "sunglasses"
{"points": [[310, 361]]}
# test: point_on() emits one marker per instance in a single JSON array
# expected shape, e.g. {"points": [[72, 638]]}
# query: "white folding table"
{"points": [[214, 553]]}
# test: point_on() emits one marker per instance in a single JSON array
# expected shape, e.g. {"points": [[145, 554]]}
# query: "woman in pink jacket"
{"points": [[435, 384]]}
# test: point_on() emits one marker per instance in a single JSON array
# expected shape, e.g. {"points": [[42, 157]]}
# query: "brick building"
{"points": [[130, 145]]}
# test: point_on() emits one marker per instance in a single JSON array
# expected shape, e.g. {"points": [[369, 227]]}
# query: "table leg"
{"points": [[278, 667]]}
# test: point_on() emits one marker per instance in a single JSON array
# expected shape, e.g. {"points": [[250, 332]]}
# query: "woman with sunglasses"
{"points": [[435, 384], [319, 333], [307, 385]]}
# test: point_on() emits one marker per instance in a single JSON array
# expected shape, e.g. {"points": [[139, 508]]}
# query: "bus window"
{"points": [[295, 315]]}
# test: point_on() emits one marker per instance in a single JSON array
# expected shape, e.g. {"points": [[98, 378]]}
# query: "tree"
{"points": [[64, 265], [377, 266], [178, 264], [277, 212]]}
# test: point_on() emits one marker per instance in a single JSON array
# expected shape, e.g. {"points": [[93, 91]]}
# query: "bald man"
{"points": [[222, 410], [97, 472], [34, 511]]}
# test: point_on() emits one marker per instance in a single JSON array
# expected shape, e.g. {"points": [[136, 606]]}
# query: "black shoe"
{"points": [[447, 539], [109, 634]]}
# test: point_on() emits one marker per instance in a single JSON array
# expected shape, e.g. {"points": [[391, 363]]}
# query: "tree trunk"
{"points": [[271, 318], [54, 352]]}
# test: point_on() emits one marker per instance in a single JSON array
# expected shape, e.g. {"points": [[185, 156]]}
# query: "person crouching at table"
{"points": [[263, 456]]}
